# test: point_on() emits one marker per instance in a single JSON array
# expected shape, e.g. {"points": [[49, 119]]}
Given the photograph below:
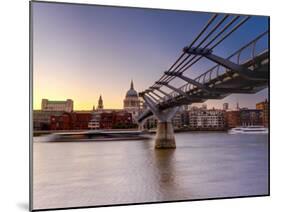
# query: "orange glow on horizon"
{"points": [[80, 105]]}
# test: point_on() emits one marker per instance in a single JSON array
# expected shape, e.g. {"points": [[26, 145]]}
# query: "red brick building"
{"points": [[116, 120], [244, 117], [106, 120], [61, 122], [81, 120], [70, 121], [264, 107], [232, 118]]}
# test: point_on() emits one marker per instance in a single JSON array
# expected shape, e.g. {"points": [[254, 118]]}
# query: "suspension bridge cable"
{"points": [[170, 78], [206, 37], [210, 21], [212, 40], [218, 42], [185, 67]]}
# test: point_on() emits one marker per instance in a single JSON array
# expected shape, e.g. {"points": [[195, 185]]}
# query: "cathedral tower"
{"points": [[100, 104]]}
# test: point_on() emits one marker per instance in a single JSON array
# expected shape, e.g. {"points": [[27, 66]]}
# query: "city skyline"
{"points": [[95, 104], [86, 54]]}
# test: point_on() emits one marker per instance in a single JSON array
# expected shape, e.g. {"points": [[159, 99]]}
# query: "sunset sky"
{"points": [[83, 51]]}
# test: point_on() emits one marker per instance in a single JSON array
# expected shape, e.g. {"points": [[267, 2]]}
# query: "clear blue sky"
{"points": [[83, 51]]}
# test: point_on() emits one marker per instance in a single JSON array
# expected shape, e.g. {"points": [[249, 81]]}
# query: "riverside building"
{"points": [[206, 119], [264, 107], [65, 106]]}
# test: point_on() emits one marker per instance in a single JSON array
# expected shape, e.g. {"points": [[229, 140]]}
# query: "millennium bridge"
{"points": [[229, 75]]}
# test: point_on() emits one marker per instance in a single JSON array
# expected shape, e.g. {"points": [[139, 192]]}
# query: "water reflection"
{"points": [[165, 172], [204, 165]]}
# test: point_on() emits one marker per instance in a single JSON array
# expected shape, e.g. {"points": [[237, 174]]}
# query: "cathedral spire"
{"points": [[100, 103], [132, 85]]}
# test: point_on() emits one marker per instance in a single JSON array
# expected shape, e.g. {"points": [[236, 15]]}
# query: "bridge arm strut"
{"points": [[243, 71]]}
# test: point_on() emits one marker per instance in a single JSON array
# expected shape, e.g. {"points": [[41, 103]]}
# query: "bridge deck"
{"points": [[222, 85]]}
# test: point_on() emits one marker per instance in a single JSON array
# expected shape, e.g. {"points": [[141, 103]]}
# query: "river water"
{"points": [[204, 165]]}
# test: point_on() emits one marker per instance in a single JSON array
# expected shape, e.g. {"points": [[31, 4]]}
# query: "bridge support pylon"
{"points": [[140, 126], [165, 138]]}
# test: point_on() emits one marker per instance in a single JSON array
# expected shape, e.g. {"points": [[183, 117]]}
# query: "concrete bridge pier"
{"points": [[140, 126], [165, 138]]}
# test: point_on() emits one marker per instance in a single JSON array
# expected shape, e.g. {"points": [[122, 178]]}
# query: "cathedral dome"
{"points": [[131, 101], [132, 92]]}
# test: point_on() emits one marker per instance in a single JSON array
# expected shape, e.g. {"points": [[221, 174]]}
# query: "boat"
{"points": [[97, 135], [249, 130]]}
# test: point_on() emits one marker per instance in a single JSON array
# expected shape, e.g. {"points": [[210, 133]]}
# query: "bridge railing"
{"points": [[219, 70]]}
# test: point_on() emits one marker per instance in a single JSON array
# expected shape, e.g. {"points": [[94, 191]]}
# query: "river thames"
{"points": [[204, 165]]}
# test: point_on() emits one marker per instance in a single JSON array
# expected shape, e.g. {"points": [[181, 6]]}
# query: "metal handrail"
{"points": [[187, 87]]}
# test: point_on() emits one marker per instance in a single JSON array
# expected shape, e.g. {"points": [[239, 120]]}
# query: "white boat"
{"points": [[249, 130], [97, 135]]}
